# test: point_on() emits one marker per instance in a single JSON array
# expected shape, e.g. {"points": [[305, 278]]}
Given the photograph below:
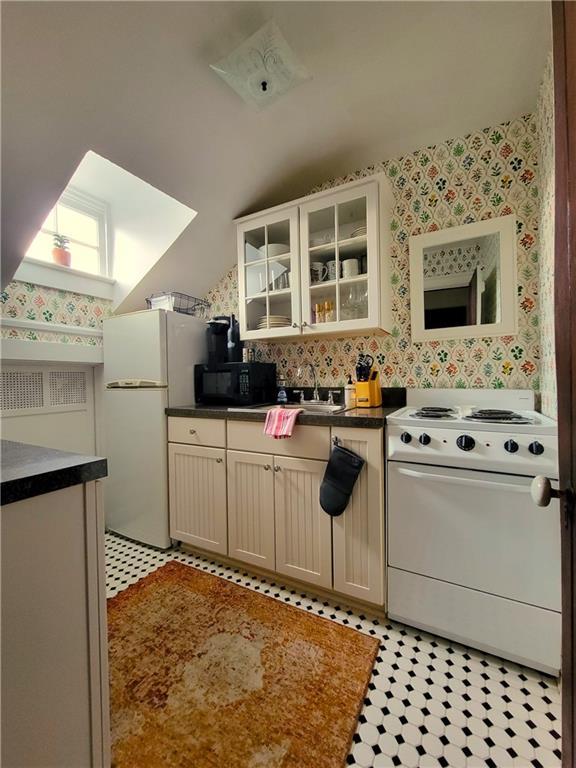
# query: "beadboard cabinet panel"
{"points": [[303, 529], [197, 482], [251, 508], [358, 534]]}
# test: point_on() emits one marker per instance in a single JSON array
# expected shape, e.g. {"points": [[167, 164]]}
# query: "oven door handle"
{"points": [[469, 481]]}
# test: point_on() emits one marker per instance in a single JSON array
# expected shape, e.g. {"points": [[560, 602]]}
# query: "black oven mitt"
{"points": [[339, 478]]}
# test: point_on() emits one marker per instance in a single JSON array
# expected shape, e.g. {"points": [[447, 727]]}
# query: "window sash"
{"points": [[98, 210]]}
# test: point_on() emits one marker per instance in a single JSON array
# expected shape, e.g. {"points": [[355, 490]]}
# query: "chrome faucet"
{"points": [[316, 395]]}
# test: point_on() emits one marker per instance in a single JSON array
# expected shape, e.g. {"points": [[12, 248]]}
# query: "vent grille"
{"points": [[21, 389], [67, 387]]}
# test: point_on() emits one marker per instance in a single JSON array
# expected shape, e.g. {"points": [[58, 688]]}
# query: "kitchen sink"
{"points": [[306, 407]]}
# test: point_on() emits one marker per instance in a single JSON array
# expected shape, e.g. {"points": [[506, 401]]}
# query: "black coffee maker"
{"points": [[223, 341]]}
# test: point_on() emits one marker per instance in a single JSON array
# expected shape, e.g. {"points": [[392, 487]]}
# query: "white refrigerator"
{"points": [[149, 360]]}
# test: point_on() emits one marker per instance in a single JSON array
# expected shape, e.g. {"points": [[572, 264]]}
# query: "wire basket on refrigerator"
{"points": [[179, 302]]}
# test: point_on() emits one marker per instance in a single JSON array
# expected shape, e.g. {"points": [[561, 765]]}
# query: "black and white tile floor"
{"points": [[429, 703]]}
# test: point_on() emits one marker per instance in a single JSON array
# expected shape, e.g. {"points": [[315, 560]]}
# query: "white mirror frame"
{"points": [[505, 226]]}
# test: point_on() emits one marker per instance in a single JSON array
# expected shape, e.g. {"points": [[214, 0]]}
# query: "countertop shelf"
{"points": [[368, 418], [31, 470]]}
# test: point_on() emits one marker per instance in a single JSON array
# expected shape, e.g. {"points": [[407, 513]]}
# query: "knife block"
{"points": [[363, 394], [368, 393]]}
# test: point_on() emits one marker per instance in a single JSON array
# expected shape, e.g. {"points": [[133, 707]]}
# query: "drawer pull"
{"points": [[192, 431], [219, 461], [266, 467]]}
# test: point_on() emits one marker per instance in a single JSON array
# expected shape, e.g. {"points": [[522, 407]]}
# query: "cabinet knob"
{"points": [[266, 467], [192, 431], [219, 461], [304, 324], [277, 468], [294, 325]]}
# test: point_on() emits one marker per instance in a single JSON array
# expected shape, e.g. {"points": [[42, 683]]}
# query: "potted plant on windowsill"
{"points": [[61, 252]]}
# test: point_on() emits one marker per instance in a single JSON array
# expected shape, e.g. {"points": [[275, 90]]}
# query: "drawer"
{"points": [[211, 432], [524, 633], [306, 442]]}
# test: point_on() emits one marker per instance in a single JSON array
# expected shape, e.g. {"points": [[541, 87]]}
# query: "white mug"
{"points": [[318, 271], [350, 267], [331, 270]]}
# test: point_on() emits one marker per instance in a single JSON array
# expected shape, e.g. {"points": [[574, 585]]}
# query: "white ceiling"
{"points": [[131, 81]]}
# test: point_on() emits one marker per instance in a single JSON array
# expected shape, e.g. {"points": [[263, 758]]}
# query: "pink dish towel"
{"points": [[280, 422]]}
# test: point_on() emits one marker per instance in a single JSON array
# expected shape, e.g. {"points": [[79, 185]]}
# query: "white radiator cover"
{"points": [[49, 404]]}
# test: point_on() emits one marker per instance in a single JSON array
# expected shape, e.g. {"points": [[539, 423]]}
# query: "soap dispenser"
{"points": [[282, 398], [350, 393]]}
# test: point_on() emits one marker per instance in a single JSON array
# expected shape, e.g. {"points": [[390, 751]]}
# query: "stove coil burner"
{"points": [[497, 416], [433, 412]]}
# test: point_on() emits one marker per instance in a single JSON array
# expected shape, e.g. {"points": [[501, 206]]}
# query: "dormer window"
{"points": [[83, 221]]}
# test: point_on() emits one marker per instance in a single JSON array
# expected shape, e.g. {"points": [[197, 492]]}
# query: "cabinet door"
{"points": [[251, 508], [197, 481], [358, 534], [339, 258], [303, 529], [269, 275]]}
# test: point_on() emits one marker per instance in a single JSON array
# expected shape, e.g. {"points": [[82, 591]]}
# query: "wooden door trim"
{"points": [[564, 36]]}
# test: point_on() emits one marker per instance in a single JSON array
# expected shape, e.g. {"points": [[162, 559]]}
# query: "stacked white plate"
{"points": [[272, 321], [359, 232]]}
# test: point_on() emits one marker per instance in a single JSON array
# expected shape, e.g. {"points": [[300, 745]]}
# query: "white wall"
{"points": [[145, 221]]}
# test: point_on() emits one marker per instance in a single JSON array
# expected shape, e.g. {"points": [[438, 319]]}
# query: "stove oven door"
{"points": [[472, 557]]}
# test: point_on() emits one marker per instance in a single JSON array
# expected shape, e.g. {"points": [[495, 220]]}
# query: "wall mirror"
{"points": [[463, 281]]}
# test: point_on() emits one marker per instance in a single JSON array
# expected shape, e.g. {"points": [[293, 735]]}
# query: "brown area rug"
{"points": [[206, 673]]}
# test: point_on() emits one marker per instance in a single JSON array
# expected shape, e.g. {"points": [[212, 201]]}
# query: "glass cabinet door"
{"points": [[339, 258], [269, 276]]}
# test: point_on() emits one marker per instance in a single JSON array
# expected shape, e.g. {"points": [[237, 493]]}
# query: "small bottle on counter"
{"points": [[350, 393], [282, 398]]}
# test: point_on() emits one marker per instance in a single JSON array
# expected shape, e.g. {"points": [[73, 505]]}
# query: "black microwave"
{"points": [[235, 383]]}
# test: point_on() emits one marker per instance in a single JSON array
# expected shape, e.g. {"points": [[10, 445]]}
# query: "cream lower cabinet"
{"points": [[303, 529], [358, 534], [274, 518], [251, 508], [197, 487], [263, 508]]}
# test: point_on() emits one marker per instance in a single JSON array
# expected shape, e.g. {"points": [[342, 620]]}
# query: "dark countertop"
{"points": [[368, 418], [30, 470]]}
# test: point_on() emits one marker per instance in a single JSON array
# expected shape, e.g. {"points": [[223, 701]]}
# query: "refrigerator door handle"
{"points": [[136, 384]]}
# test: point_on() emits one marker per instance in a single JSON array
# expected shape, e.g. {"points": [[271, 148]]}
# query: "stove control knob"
{"points": [[406, 437], [536, 448], [511, 446], [465, 442], [424, 439]]}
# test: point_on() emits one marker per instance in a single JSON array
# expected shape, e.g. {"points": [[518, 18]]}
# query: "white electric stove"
{"points": [[470, 555]]}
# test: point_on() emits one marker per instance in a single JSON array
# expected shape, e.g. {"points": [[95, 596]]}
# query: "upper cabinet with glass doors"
{"points": [[318, 265], [269, 275]]}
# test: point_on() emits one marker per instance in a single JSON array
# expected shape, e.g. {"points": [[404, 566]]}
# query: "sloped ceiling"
{"points": [[131, 81]]}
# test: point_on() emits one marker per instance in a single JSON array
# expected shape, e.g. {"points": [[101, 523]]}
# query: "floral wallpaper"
{"points": [[450, 261], [45, 306], [545, 122], [492, 172]]}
